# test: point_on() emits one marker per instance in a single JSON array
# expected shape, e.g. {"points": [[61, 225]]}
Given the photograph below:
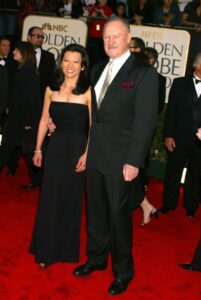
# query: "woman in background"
{"points": [[24, 109], [167, 13]]}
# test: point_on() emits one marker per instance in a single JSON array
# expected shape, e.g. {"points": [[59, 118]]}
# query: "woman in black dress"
{"points": [[56, 234]]}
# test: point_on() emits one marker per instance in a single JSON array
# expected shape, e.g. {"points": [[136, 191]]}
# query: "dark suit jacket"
{"points": [[11, 66], [196, 261], [162, 92], [24, 110], [179, 121], [123, 126], [3, 89], [46, 69]]}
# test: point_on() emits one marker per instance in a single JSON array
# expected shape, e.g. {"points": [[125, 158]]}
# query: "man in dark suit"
{"points": [[7, 61], [152, 55], [45, 65], [123, 120], [45, 60], [195, 264], [183, 118], [3, 90]]}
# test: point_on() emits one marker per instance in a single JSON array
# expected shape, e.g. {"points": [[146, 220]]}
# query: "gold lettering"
{"points": [[152, 35]]}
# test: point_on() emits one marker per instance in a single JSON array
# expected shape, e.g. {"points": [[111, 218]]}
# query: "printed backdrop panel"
{"points": [[59, 32]]}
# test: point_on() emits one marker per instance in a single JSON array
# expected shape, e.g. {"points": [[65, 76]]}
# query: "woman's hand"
{"points": [[170, 144], [81, 165], [37, 159]]}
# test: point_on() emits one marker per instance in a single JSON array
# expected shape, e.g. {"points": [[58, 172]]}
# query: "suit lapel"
{"points": [[123, 75], [192, 95], [41, 60]]}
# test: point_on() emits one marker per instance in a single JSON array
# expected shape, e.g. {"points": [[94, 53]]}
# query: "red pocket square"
{"points": [[127, 85]]}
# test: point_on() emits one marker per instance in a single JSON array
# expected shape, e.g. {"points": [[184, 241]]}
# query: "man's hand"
{"points": [[170, 144], [199, 133], [130, 172], [51, 126]]}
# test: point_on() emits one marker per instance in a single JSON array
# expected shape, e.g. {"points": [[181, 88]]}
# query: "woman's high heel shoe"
{"points": [[152, 214]]}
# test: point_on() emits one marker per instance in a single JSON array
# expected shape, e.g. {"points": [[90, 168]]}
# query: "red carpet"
{"points": [[158, 249]]}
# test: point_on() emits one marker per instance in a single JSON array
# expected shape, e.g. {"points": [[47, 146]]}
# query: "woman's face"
{"points": [[120, 10], [17, 55], [71, 64], [167, 2]]}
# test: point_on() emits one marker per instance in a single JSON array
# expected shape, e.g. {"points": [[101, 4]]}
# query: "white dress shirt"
{"points": [[38, 56], [2, 62], [197, 85], [117, 64]]}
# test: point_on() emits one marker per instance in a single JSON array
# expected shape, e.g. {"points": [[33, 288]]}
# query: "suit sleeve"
{"points": [[3, 90], [145, 118], [162, 93], [171, 111]]}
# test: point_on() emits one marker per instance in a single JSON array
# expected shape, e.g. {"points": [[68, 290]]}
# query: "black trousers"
{"points": [[196, 262], [9, 151], [109, 220], [175, 164]]}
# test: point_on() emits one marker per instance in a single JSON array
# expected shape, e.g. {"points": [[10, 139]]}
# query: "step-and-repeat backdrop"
{"points": [[59, 32], [172, 46]]}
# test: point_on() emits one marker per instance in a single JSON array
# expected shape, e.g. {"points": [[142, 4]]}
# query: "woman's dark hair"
{"points": [[27, 51], [119, 4], [83, 82]]}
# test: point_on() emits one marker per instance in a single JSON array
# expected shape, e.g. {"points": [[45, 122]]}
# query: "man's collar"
{"points": [[123, 57]]}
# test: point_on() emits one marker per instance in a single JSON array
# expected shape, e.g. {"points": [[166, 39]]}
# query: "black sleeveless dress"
{"points": [[56, 233]]}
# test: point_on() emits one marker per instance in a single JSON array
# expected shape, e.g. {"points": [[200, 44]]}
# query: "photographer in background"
{"points": [[97, 17]]}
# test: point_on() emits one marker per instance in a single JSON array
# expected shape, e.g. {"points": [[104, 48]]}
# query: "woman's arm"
{"points": [[81, 165], [42, 129], [185, 22]]}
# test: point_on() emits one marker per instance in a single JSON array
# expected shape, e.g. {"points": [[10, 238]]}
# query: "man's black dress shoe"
{"points": [[163, 210], [11, 172], [190, 214], [118, 286], [188, 267], [30, 186], [87, 269]]}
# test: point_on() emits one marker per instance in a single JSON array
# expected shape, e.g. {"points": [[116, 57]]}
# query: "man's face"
{"points": [[4, 47], [36, 38], [116, 39]]}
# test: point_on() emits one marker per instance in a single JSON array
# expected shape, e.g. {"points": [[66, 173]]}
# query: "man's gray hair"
{"points": [[197, 59], [119, 19]]}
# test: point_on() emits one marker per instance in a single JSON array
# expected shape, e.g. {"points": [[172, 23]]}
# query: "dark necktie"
{"points": [[3, 59]]}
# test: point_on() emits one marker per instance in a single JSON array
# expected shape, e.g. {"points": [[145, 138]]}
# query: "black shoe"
{"points": [[88, 268], [118, 286], [163, 210], [12, 172], [30, 186], [190, 214], [188, 267]]}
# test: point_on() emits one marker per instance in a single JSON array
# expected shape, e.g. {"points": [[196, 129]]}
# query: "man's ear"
{"points": [[129, 38]]}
